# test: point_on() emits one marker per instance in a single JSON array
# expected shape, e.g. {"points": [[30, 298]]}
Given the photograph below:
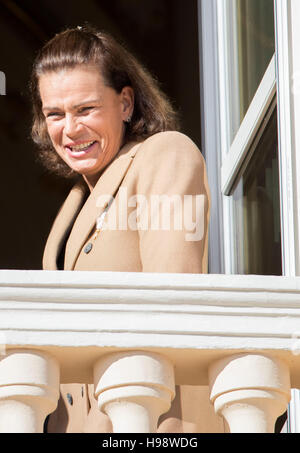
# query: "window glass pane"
{"points": [[256, 209], [255, 46]]}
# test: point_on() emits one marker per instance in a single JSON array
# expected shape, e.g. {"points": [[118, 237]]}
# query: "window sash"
{"points": [[247, 132], [286, 38], [233, 154]]}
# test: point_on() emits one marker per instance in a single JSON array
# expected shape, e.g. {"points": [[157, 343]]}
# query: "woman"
{"points": [[141, 202]]}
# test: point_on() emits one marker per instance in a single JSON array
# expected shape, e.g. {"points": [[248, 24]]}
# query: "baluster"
{"points": [[134, 389], [250, 391], [29, 390]]}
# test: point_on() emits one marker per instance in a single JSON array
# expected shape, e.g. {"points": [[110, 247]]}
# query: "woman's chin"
{"points": [[83, 168]]}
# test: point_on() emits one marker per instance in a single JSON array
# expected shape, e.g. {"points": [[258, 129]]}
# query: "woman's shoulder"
{"points": [[167, 145], [171, 138]]}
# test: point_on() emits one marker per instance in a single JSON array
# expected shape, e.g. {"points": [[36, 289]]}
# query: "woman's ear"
{"points": [[127, 99]]}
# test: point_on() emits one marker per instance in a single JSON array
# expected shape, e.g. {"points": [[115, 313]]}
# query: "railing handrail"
{"points": [[194, 318]]}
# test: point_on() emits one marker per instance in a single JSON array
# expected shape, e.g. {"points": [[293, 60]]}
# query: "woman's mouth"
{"points": [[80, 149]]}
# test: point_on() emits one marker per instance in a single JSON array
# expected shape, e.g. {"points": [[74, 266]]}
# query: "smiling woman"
{"points": [[100, 116], [88, 50]]}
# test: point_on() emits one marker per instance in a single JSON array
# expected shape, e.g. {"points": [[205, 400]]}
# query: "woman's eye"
{"points": [[53, 114], [85, 109]]}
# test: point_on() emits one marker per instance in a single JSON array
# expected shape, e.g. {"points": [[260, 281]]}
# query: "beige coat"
{"points": [[166, 164]]}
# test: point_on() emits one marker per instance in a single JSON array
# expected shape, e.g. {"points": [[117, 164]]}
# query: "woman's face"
{"points": [[85, 118]]}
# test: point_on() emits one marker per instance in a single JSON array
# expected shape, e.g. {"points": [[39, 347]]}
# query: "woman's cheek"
{"points": [[54, 134]]}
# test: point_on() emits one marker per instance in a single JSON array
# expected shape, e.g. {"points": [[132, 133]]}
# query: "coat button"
{"points": [[70, 398], [88, 248]]}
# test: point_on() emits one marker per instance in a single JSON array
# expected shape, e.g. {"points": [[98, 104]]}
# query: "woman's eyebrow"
{"points": [[50, 108], [91, 101]]}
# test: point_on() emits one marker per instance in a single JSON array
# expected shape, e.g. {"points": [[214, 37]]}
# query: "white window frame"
{"points": [[235, 153], [215, 127], [287, 13], [280, 78]]}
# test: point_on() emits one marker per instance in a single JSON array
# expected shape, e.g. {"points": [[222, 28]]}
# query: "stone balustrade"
{"points": [[137, 335]]}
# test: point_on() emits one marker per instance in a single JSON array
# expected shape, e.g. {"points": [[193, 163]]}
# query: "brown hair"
{"points": [[83, 45]]}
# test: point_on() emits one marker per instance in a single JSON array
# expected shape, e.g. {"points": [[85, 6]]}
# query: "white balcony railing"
{"points": [[135, 335]]}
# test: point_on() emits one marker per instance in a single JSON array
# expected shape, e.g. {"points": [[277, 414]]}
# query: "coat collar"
{"points": [[63, 223], [83, 218], [107, 185]]}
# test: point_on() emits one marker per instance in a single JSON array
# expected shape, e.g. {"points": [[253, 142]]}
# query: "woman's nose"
{"points": [[71, 125]]}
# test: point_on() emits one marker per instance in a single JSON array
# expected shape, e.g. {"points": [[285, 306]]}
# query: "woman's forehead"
{"points": [[67, 75], [75, 82], [73, 88]]}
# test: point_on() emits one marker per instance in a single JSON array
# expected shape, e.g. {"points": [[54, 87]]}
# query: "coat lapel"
{"points": [[107, 186], [62, 225]]}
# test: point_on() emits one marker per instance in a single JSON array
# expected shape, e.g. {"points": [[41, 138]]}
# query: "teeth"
{"points": [[81, 147]]}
